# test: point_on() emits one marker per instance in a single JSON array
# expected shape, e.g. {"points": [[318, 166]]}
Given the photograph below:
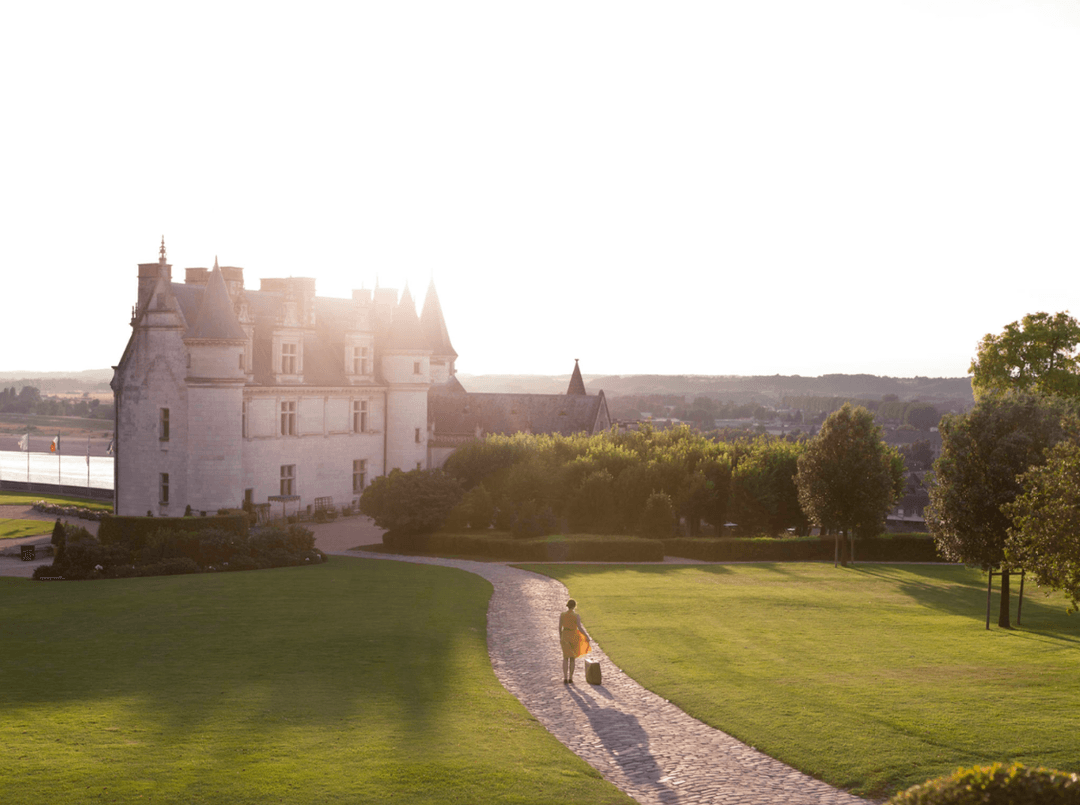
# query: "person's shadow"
{"points": [[625, 740]]}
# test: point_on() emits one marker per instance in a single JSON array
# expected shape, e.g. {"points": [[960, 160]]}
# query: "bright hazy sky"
{"points": [[701, 188]]}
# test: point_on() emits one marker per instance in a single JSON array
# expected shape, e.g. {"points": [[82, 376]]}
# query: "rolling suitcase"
{"points": [[592, 672]]}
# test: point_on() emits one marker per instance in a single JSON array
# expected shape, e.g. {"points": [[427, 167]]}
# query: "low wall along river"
{"points": [[45, 470]]}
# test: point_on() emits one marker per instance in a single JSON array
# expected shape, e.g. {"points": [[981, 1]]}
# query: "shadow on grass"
{"points": [[342, 642], [961, 592]]}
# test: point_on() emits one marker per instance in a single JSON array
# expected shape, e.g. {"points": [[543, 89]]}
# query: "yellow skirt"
{"points": [[574, 643]]}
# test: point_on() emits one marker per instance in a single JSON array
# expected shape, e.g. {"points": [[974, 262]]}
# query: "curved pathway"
{"points": [[641, 743]]}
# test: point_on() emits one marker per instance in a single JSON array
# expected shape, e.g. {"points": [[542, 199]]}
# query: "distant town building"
{"points": [[226, 395]]}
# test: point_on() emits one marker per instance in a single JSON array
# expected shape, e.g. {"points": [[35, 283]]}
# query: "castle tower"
{"points": [[215, 378], [406, 368], [438, 338], [149, 394]]}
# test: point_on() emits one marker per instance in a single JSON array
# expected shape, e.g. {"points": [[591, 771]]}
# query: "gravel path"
{"points": [[641, 743]]}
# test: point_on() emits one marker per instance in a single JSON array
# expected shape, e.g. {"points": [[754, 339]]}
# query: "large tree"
{"points": [[847, 477], [1045, 534], [983, 453], [1037, 355]]}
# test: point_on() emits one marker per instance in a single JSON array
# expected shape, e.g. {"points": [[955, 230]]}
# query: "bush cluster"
{"points": [[172, 551], [803, 549], [135, 531], [995, 785], [539, 549], [640, 482]]}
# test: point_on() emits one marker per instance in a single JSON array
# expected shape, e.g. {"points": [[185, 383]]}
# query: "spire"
{"points": [[405, 332], [434, 325], [577, 385], [161, 251]]}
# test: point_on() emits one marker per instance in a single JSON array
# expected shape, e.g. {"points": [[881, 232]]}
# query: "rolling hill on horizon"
{"points": [[764, 389]]}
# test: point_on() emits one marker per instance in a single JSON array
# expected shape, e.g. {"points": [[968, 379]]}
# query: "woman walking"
{"points": [[574, 641]]}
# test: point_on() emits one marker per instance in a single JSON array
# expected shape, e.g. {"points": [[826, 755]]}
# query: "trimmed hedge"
{"points": [[134, 531], [802, 549], [541, 549], [169, 552], [995, 785]]}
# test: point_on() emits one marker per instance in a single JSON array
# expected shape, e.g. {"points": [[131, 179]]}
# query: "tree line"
{"points": [[649, 481], [29, 400]]}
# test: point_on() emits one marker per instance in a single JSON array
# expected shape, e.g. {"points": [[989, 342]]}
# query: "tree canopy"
{"points": [[1044, 537], [1037, 354], [847, 477], [983, 453]]}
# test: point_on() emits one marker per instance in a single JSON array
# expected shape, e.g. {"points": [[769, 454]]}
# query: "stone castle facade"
{"points": [[226, 395]]}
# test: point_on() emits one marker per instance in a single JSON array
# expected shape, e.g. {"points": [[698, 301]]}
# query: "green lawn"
{"points": [[355, 681], [872, 678], [29, 498], [12, 529]]}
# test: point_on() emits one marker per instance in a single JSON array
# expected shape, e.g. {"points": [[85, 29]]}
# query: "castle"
{"points": [[226, 395]]}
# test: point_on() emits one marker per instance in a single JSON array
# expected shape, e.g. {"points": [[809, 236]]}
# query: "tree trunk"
{"points": [[843, 548], [1003, 611]]}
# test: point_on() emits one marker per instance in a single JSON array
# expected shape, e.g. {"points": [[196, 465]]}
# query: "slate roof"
{"points": [[577, 384], [405, 331], [215, 319], [480, 413], [434, 325]]}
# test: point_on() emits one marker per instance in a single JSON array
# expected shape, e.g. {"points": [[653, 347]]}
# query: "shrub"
{"points": [[542, 549], [413, 502], [170, 551], [477, 509], [802, 549], [995, 785], [533, 520], [134, 531], [59, 539], [592, 505], [658, 519], [170, 567]]}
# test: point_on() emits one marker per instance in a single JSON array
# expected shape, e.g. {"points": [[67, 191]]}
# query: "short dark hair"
{"points": [[571, 604]]}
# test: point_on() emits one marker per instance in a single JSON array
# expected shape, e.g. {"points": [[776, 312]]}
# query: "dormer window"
{"points": [[360, 361], [288, 359]]}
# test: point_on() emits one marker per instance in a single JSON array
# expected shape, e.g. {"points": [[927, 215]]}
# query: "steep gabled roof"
{"points": [[216, 319], [434, 325]]}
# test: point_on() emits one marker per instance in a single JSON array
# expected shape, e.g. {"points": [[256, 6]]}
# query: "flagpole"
{"points": [[59, 479]]}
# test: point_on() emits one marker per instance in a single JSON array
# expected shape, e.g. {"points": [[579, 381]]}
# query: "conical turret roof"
{"points": [[434, 325], [216, 319], [405, 332]]}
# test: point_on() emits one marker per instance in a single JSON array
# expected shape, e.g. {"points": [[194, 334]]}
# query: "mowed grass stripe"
{"points": [[13, 529], [29, 498], [872, 678], [354, 681]]}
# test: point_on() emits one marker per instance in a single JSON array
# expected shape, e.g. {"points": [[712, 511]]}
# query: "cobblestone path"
{"points": [[641, 743]]}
